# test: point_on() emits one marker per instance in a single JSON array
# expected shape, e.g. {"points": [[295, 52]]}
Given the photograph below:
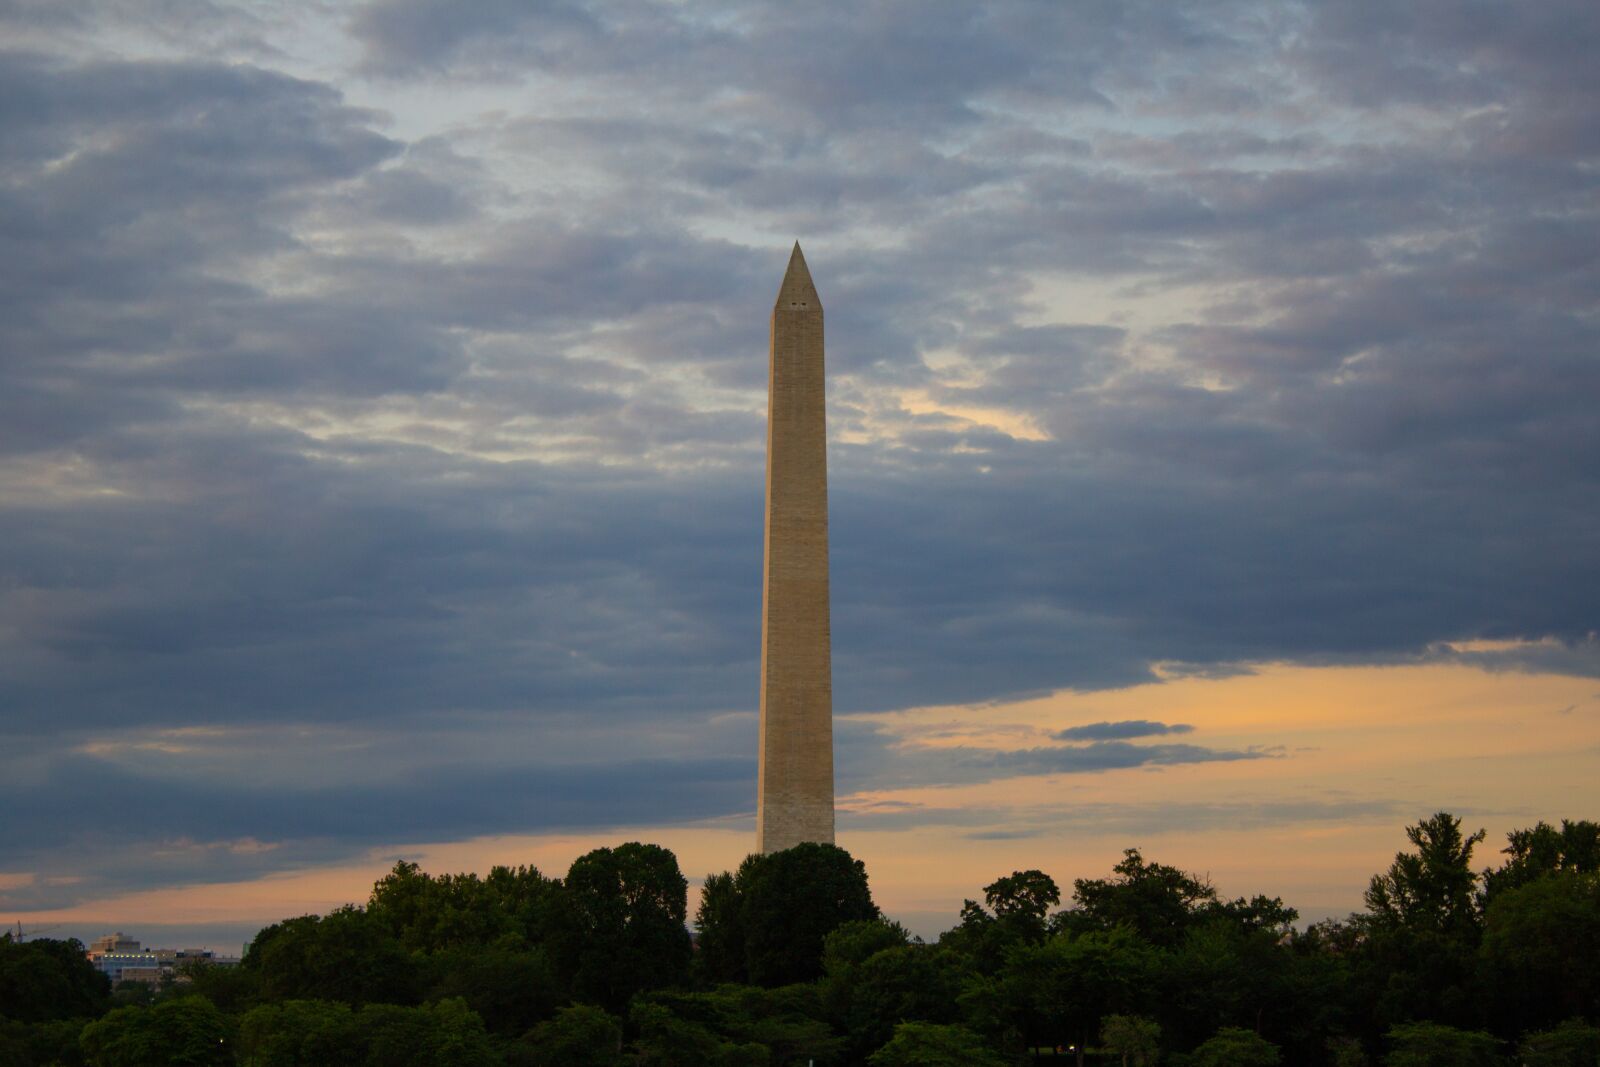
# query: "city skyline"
{"points": [[1211, 399]]}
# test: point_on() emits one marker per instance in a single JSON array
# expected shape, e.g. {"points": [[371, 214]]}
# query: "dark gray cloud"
{"points": [[150, 832], [198, 805], [429, 391], [1121, 731], [1132, 821]]}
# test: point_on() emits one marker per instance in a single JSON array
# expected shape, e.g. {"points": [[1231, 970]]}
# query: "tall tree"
{"points": [[1023, 898], [1224, 974], [897, 984], [344, 955], [1058, 992], [1432, 888], [720, 955], [782, 905], [1417, 956], [432, 912], [1016, 908], [1157, 901], [620, 927], [47, 979]]}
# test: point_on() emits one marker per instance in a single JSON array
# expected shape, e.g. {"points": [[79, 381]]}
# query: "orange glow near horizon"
{"points": [[1353, 755]]}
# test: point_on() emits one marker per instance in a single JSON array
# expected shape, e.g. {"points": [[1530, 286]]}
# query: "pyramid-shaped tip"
{"points": [[797, 292]]}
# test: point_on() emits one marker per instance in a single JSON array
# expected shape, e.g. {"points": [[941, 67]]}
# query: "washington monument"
{"points": [[794, 800]]}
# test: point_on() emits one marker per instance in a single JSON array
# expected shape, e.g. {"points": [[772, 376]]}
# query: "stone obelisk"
{"points": [[795, 790]]}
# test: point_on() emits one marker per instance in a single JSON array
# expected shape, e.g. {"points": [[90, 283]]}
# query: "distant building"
{"points": [[117, 942], [123, 959]]}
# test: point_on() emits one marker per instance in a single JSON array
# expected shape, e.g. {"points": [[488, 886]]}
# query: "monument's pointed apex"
{"points": [[797, 291]]}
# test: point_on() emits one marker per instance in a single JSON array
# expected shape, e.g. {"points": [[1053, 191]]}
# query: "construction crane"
{"points": [[35, 932]]}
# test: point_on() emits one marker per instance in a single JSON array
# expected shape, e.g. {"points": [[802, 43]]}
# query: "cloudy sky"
{"points": [[1213, 411]]}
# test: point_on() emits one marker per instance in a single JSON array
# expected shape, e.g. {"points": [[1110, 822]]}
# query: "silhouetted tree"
{"points": [[1017, 905], [1057, 993], [1432, 888], [433, 912], [469, 971], [47, 979], [853, 943], [232, 989], [779, 907], [618, 925], [1541, 951], [1227, 975], [897, 984], [1157, 901], [1023, 898], [720, 953], [344, 956], [1542, 850], [1416, 956]]}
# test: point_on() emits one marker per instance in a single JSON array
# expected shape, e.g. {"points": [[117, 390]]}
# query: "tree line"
{"points": [[793, 963]]}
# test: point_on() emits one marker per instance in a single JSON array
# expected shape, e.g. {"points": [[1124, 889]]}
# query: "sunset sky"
{"points": [[1214, 407]]}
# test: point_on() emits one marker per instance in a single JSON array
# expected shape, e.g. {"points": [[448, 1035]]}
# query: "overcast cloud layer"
{"points": [[382, 389]]}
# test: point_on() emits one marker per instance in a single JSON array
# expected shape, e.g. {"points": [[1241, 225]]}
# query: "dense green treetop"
{"points": [[1431, 889], [187, 1031], [1572, 1044], [345, 955], [795, 964], [1541, 951], [429, 913], [1427, 1044], [1134, 1039], [47, 979], [1156, 901], [579, 1036], [931, 1045], [1542, 850], [851, 944], [766, 925], [719, 923], [1023, 895], [1235, 1046], [618, 924]]}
